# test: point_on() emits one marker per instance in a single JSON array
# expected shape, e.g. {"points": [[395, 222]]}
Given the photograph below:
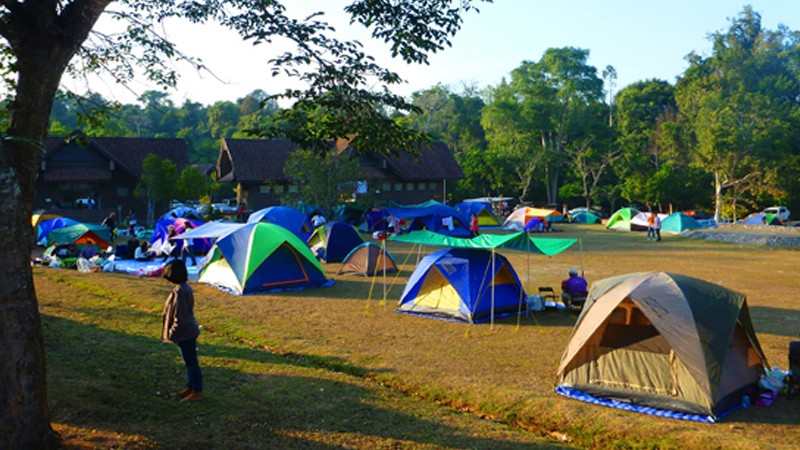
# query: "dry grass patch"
{"points": [[267, 350]]}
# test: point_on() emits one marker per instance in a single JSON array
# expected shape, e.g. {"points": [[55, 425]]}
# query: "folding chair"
{"points": [[548, 294]]}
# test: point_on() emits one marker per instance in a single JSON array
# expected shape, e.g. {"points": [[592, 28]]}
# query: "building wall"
{"points": [[262, 196]]}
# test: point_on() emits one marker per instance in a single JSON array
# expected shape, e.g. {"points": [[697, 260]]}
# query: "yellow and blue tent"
{"points": [[463, 284]]}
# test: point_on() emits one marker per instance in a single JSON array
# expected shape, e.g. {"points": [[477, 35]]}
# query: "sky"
{"points": [[642, 39]]}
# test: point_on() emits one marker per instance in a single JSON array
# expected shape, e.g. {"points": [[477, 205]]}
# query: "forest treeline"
{"points": [[724, 137]]}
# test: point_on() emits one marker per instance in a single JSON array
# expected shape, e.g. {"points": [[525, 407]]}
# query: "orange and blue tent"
{"points": [[262, 257]]}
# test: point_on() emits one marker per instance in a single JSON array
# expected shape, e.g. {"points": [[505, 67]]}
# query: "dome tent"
{"points": [[368, 259], [459, 284], [337, 239], [663, 344], [262, 257]]}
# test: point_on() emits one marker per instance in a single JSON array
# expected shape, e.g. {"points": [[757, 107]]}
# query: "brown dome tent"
{"points": [[368, 259], [664, 344]]}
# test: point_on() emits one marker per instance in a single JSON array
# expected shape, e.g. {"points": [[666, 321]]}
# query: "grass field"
{"points": [[338, 368]]}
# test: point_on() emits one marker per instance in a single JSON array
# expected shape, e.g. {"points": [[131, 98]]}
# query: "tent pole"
{"points": [[580, 252], [528, 260], [383, 258], [491, 280]]}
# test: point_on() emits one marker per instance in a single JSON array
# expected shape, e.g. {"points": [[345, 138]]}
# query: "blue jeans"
{"points": [[194, 377], [651, 233]]}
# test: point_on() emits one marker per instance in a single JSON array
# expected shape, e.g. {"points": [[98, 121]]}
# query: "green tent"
{"points": [[665, 341], [621, 220]]}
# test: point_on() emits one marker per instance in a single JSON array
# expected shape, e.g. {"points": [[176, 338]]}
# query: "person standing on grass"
{"points": [[188, 246], [180, 326], [657, 227], [651, 224]]}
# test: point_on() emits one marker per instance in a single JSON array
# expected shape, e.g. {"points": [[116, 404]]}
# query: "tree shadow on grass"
{"points": [[782, 322], [255, 399]]}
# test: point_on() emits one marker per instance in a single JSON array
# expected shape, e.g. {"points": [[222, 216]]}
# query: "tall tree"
{"points": [[38, 41], [157, 183], [742, 105], [322, 179], [536, 113], [646, 118]]}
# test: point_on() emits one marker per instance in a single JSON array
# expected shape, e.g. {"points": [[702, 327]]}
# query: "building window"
{"points": [[292, 189], [387, 187], [122, 192], [264, 189], [398, 187], [420, 186], [433, 186], [279, 189], [409, 186]]}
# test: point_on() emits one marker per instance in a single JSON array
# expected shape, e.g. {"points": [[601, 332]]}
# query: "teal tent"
{"points": [[677, 223], [81, 234], [584, 217]]}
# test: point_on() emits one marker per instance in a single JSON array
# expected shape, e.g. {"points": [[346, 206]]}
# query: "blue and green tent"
{"points": [[262, 257]]}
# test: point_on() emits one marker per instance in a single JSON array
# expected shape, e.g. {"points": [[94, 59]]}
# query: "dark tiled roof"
{"points": [[259, 160], [435, 162], [129, 153]]}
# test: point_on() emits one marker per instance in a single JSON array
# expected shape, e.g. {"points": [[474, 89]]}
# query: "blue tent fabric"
{"points": [[588, 398], [533, 224], [467, 209], [161, 231], [468, 271], [339, 240], [44, 228], [289, 218], [181, 212], [430, 215], [374, 220]]}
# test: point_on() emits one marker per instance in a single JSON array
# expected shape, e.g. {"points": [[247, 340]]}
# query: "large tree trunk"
{"points": [[43, 43], [24, 417]]}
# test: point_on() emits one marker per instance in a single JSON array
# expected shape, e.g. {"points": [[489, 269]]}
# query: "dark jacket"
{"points": [[179, 322]]}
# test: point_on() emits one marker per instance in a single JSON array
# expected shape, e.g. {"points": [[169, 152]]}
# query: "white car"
{"points": [[781, 212]]}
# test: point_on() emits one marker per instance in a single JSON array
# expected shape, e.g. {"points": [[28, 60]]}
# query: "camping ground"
{"points": [[338, 368]]}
